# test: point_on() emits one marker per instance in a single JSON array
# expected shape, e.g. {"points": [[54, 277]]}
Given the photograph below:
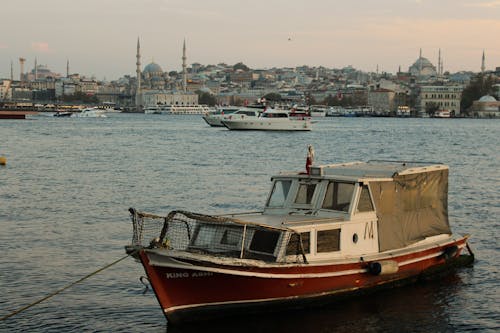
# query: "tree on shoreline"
{"points": [[80, 98]]}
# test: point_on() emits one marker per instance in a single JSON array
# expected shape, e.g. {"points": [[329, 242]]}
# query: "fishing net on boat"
{"points": [[217, 236]]}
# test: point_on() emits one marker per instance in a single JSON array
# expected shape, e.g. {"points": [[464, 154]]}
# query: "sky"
{"points": [[99, 37]]}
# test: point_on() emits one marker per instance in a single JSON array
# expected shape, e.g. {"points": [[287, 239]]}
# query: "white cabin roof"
{"points": [[373, 169]]}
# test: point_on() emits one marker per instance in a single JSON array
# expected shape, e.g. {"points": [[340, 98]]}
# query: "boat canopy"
{"points": [[411, 207]]}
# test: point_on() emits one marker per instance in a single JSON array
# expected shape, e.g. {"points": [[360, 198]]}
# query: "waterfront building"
{"points": [[5, 90], [382, 100], [442, 97]]}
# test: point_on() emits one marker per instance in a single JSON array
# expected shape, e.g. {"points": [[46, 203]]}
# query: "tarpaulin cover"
{"points": [[411, 207]]}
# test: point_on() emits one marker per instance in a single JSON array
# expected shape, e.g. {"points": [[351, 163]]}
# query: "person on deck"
{"points": [[310, 158]]}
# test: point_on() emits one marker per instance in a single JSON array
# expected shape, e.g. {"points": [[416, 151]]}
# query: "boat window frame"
{"points": [[293, 184], [216, 238], [307, 251], [351, 202], [332, 228], [276, 246], [360, 187], [318, 190]]}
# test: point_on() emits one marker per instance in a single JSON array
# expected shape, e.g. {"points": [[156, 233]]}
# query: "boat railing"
{"points": [[217, 236]]}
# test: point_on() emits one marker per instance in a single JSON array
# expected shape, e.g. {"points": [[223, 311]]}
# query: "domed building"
{"points": [[152, 70], [486, 107], [422, 68], [154, 77]]}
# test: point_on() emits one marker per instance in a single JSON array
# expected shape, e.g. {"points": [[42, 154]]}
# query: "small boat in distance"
{"points": [[62, 114], [177, 109], [89, 113], [152, 110], [442, 114], [318, 110], [334, 230]]}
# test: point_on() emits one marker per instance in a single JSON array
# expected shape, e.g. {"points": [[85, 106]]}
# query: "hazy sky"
{"points": [[99, 36]]}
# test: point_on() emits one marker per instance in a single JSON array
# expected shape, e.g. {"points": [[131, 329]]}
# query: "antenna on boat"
{"points": [[309, 158]]}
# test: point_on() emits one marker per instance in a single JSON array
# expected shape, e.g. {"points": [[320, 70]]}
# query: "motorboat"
{"points": [[213, 118], [442, 114], [62, 114], [318, 110], [152, 110], [403, 111], [332, 231], [89, 113], [269, 120], [299, 113]]}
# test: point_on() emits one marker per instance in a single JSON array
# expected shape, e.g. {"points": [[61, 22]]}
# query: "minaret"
{"points": [[138, 99], [483, 66], [184, 70], [36, 70], [420, 63], [11, 71], [21, 65], [67, 68], [439, 71]]}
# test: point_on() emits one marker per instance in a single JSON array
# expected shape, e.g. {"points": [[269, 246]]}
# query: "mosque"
{"points": [[155, 87], [423, 68]]}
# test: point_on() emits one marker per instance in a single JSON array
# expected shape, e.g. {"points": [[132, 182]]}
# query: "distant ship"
{"points": [[178, 109]]}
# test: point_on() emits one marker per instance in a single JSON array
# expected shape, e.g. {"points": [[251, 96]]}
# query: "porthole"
{"points": [[355, 238]]}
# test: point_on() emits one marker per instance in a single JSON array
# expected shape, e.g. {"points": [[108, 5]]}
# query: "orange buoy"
{"points": [[3, 160]]}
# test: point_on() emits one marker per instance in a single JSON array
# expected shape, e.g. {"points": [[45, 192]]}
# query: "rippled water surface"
{"points": [[68, 184]]}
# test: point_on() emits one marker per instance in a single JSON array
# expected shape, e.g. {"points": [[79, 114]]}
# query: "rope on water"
{"points": [[64, 288]]}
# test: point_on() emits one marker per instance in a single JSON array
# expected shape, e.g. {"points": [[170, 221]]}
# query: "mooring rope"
{"points": [[64, 288]]}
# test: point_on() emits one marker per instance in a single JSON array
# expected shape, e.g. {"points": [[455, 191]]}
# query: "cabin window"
{"points": [[293, 246], [204, 235], [328, 240], [231, 236], [279, 193], [305, 194], [338, 196], [264, 241], [365, 202]]}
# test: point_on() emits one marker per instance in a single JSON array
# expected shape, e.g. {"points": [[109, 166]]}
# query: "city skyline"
{"points": [[99, 37]]}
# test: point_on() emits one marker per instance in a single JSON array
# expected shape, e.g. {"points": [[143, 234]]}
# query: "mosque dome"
{"points": [[152, 68], [423, 67], [487, 98]]}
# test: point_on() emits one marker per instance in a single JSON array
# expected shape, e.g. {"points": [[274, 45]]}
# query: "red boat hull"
{"points": [[187, 294]]}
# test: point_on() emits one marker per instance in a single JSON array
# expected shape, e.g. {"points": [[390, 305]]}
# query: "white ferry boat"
{"points": [[185, 109]]}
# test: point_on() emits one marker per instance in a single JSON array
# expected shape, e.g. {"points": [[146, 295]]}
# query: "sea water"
{"points": [[68, 184]]}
